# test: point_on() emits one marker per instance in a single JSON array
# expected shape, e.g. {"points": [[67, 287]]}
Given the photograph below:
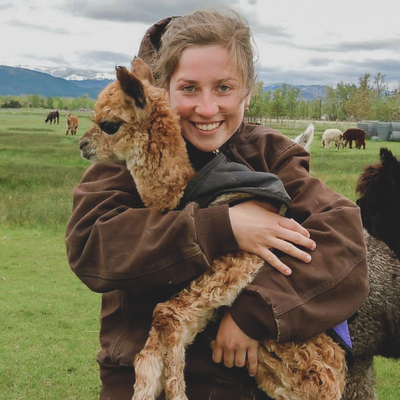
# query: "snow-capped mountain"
{"points": [[17, 81], [71, 74]]}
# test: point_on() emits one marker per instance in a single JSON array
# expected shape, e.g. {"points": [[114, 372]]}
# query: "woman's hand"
{"points": [[258, 229], [234, 347]]}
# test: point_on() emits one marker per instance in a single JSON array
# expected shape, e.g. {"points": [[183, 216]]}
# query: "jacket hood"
{"points": [[151, 41]]}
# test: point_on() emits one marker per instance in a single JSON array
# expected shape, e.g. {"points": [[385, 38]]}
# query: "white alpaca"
{"points": [[305, 139], [332, 135]]}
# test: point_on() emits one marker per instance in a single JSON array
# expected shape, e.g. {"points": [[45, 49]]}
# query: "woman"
{"points": [[315, 274]]}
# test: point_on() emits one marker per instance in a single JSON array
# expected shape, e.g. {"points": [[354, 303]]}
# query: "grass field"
{"points": [[49, 319]]}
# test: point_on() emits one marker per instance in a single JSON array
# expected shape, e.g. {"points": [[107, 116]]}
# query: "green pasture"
{"points": [[49, 319]]}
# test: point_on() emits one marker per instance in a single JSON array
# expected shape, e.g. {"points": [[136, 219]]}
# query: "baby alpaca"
{"points": [[134, 123], [71, 124], [332, 135]]}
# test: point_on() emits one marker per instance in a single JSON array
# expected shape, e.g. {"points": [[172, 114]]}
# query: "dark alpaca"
{"points": [[376, 329], [379, 186], [356, 134], [53, 117]]}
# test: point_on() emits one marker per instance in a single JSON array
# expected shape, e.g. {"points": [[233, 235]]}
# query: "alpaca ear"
{"points": [[387, 157], [142, 70], [390, 164], [131, 86]]}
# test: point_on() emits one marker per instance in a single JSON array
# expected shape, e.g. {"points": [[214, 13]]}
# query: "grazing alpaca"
{"points": [[332, 135], [134, 123], [53, 117], [72, 124], [356, 134]]}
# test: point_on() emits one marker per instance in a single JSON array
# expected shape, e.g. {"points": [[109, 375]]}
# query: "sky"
{"points": [[299, 42]]}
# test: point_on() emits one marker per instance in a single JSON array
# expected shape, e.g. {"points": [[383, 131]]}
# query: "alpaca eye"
{"points": [[110, 127]]}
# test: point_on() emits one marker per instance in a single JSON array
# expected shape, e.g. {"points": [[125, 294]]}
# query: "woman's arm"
{"points": [[317, 295], [329, 289], [113, 242]]}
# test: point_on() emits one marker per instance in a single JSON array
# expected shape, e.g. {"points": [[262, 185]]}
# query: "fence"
{"points": [[376, 130]]}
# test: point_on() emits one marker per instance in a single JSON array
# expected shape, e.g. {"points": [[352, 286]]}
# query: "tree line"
{"points": [[370, 99], [52, 103]]}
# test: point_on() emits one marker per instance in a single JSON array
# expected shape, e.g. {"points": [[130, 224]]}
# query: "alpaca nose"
{"points": [[84, 142]]}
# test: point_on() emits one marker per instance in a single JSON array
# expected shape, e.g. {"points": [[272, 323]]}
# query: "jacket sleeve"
{"points": [[114, 243], [328, 290]]}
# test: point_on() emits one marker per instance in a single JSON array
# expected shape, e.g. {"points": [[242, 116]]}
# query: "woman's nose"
{"points": [[207, 106]]}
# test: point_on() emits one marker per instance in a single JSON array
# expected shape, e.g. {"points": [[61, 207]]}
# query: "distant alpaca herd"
{"points": [[72, 121], [375, 330], [343, 139]]}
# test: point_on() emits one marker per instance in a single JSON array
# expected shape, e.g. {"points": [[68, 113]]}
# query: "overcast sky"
{"points": [[298, 41]]}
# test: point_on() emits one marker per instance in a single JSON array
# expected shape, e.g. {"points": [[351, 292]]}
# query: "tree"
{"points": [[277, 104], [256, 107], [379, 81], [50, 103], [291, 102], [331, 105], [360, 100]]}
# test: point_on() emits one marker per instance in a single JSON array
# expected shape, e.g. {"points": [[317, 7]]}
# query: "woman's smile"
{"points": [[207, 128]]}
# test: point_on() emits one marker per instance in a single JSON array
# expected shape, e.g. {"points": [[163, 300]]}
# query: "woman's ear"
{"points": [[247, 102]]}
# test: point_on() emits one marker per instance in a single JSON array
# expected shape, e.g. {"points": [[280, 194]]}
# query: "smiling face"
{"points": [[207, 93]]}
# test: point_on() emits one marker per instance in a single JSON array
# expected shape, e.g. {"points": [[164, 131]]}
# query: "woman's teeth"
{"points": [[208, 127]]}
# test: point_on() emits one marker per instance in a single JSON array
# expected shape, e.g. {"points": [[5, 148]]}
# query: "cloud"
{"points": [[20, 24], [392, 43], [49, 60], [146, 12], [269, 31], [326, 71], [104, 58], [6, 6], [320, 61]]}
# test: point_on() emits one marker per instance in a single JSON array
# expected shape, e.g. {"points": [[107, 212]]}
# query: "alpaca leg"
{"points": [[177, 321], [186, 314], [148, 369], [361, 381], [179, 330], [312, 370], [174, 367]]}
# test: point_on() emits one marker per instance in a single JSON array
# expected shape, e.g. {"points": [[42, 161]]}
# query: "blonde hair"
{"points": [[207, 28]]}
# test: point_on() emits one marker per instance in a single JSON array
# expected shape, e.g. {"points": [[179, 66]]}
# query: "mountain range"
{"points": [[18, 81], [67, 82], [307, 92]]}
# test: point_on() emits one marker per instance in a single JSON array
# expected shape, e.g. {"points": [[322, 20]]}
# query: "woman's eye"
{"points": [[224, 88], [110, 127], [189, 89]]}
